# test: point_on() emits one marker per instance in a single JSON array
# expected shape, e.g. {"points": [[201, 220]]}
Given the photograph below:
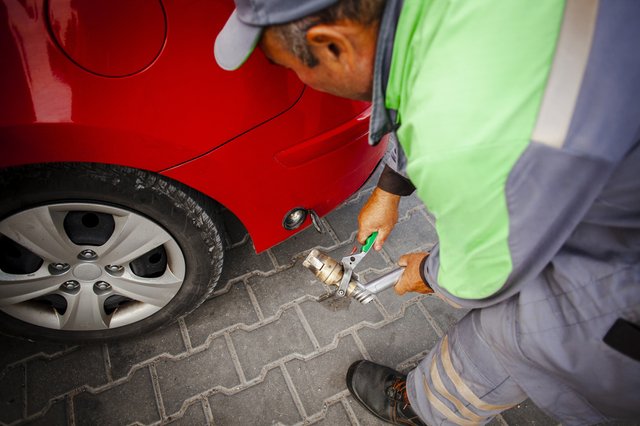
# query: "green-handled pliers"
{"points": [[350, 262]]}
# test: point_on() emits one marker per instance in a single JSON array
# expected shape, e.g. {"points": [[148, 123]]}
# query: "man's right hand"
{"points": [[380, 213]]}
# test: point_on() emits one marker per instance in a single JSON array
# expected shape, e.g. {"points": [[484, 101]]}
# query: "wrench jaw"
{"points": [[331, 273]]}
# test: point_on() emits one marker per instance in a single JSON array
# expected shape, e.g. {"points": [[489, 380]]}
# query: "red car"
{"points": [[120, 142]]}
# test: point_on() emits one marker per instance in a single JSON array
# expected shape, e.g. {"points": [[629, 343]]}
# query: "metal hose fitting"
{"points": [[329, 272]]}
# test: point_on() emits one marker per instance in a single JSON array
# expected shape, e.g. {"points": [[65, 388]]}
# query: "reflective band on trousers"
{"points": [[462, 387], [442, 390]]}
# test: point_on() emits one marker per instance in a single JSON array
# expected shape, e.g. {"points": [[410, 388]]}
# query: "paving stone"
{"points": [[185, 378], [49, 378], [329, 317], [274, 291], [335, 416], [399, 340], [365, 418], [193, 416], [14, 349], [225, 310], [410, 236], [11, 394], [133, 401], [444, 314], [125, 354], [300, 244], [323, 376], [527, 414], [271, 342], [344, 219], [407, 203], [266, 403], [242, 260], [55, 415]]}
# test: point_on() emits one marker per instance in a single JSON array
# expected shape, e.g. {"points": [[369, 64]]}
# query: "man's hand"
{"points": [[411, 279], [380, 213]]}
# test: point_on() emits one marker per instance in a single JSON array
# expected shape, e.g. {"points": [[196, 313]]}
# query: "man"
{"points": [[521, 129]]}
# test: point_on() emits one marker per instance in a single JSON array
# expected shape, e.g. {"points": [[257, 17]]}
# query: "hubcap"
{"points": [[49, 278]]}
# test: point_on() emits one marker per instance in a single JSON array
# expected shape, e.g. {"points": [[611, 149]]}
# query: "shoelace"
{"points": [[398, 392]]}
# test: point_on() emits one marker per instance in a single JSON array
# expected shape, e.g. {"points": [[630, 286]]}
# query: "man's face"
{"points": [[343, 72]]}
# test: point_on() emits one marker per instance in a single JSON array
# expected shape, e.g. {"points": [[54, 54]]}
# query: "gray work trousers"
{"points": [[492, 360]]}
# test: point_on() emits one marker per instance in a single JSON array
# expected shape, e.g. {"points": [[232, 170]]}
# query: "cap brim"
{"points": [[235, 43]]}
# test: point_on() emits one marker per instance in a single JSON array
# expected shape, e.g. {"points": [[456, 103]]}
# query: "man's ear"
{"points": [[330, 44]]}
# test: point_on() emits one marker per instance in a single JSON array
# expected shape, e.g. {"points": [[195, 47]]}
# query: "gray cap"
{"points": [[244, 27]]}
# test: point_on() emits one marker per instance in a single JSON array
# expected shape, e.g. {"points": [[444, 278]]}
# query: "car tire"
{"points": [[95, 252]]}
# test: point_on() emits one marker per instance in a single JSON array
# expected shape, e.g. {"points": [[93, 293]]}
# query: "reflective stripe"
{"points": [[461, 386], [567, 72], [442, 408], [442, 390]]}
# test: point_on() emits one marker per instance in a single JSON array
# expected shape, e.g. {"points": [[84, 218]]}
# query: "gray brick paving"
{"points": [[396, 342], [322, 377], [266, 344], [132, 401], [234, 308], [266, 403], [194, 415], [442, 313], [181, 379], [47, 379], [55, 415], [19, 350], [126, 354], [262, 351], [327, 319], [242, 260], [275, 291], [344, 220], [300, 244], [12, 402], [336, 415]]}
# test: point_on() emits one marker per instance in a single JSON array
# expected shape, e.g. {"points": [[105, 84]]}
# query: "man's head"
{"points": [[330, 44]]}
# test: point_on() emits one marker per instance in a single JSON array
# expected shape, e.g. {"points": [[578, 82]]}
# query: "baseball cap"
{"points": [[243, 29]]}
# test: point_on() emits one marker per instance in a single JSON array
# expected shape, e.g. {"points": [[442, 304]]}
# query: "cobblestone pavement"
{"points": [[262, 351]]}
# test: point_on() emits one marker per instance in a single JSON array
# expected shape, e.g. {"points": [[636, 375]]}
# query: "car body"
{"points": [[131, 89]]}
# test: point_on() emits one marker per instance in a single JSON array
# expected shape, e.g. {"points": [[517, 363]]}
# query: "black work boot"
{"points": [[382, 391]]}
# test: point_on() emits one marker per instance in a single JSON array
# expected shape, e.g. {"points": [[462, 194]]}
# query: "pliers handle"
{"points": [[350, 262]]}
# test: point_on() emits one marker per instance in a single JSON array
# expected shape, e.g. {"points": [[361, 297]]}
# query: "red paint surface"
{"points": [[249, 139]]}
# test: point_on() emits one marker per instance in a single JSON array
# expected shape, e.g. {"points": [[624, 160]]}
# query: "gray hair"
{"points": [[294, 34]]}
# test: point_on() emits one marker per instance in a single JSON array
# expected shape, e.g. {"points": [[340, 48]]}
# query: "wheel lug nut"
{"points": [[71, 285], [102, 286], [58, 268], [87, 255], [114, 269]]}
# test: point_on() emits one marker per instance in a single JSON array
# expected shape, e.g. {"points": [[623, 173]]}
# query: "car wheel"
{"points": [[97, 252]]}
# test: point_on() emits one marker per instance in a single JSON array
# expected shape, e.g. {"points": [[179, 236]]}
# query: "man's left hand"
{"points": [[411, 279]]}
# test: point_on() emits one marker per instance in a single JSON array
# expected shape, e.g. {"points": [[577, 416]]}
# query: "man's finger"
{"points": [[380, 239], [400, 288], [404, 260], [363, 234]]}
